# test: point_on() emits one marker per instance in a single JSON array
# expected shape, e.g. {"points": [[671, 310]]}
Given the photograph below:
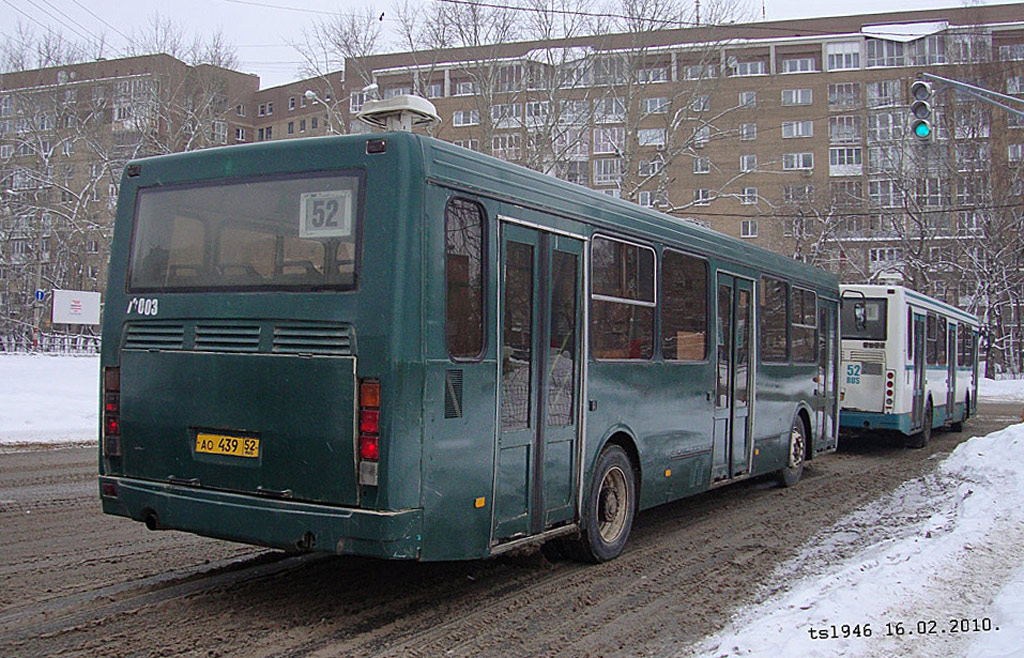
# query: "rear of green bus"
{"points": [[250, 358]]}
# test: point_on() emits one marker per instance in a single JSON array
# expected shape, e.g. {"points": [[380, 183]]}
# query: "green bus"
{"points": [[390, 346]]}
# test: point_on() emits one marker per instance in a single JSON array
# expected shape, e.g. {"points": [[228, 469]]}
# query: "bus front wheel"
{"points": [[610, 508], [794, 468], [922, 438]]}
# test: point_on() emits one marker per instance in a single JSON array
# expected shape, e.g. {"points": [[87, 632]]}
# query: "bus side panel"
{"points": [[779, 389], [458, 407]]}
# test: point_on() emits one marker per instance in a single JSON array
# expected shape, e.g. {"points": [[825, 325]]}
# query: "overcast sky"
{"points": [[262, 30]]}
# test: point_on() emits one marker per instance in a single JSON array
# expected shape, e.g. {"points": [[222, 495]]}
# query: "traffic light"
{"points": [[921, 109]]}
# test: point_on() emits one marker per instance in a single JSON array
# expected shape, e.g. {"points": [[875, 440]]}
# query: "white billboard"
{"points": [[76, 307]]}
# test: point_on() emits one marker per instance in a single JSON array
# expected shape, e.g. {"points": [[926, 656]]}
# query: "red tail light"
{"points": [[369, 431], [112, 412], [369, 447]]}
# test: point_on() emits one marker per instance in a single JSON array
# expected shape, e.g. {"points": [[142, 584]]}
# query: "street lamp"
{"points": [[313, 97]]}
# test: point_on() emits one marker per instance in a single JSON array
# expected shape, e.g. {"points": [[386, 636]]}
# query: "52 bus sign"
{"points": [[326, 214], [853, 373]]}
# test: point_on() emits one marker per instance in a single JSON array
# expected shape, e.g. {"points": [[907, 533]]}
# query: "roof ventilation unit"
{"points": [[399, 113]]}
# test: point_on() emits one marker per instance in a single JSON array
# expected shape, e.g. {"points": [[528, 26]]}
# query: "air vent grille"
{"points": [[227, 338], [313, 338], [150, 336], [453, 394]]}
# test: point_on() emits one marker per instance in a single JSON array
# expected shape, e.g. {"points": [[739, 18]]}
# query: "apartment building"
{"points": [[789, 134], [65, 135]]}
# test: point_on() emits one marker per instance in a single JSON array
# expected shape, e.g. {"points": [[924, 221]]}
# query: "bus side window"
{"points": [[932, 340], [684, 307], [910, 334], [940, 346], [464, 289], [774, 320]]}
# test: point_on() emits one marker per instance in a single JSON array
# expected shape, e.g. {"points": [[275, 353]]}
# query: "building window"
{"points": [[239, 134], [644, 198], [240, 110], [839, 157], [791, 161], [884, 93], [884, 53], [356, 101], [700, 103], [743, 69], [466, 88], [219, 132], [748, 131], [929, 50], [506, 146], [844, 129], [684, 307], [291, 127], [1015, 153], [798, 65], [435, 90], [609, 140], [748, 228], [471, 144], [702, 196], [702, 136], [1015, 84], [302, 125], [622, 318], [656, 74], [270, 109], [291, 103], [466, 117], [698, 71], [702, 165], [1011, 53], [794, 129], [748, 163], [844, 94], [749, 197], [464, 279], [648, 168], [262, 109], [655, 105], [651, 137], [798, 193], [391, 92], [607, 171], [609, 110], [843, 56], [507, 115], [748, 99], [797, 97]]}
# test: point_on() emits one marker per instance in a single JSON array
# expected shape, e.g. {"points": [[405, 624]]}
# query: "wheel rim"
{"points": [[796, 447], [612, 504]]}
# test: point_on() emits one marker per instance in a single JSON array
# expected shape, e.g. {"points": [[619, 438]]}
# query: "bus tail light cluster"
{"points": [[890, 390], [369, 431], [112, 412]]}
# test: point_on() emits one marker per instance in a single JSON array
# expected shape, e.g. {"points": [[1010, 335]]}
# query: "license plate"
{"points": [[223, 444]]}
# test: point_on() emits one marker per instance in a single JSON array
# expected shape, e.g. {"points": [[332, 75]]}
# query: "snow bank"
{"points": [[940, 549], [1005, 389], [49, 399]]}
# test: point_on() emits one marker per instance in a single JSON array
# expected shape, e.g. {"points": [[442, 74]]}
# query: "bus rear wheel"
{"points": [[922, 438], [611, 505], [794, 468]]}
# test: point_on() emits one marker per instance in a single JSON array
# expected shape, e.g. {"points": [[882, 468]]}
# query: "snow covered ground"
{"points": [[49, 399], [935, 569], [924, 570]]}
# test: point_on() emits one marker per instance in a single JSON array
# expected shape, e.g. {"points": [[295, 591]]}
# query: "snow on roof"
{"points": [[904, 32]]}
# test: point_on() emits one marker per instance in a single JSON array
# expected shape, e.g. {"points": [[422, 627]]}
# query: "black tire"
{"points": [[611, 505], [795, 454], [922, 438]]}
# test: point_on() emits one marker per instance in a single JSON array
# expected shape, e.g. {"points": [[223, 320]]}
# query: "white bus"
{"points": [[909, 362]]}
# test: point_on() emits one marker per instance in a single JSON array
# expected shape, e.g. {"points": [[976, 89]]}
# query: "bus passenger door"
{"points": [[732, 441], [539, 381], [828, 376], [917, 410]]}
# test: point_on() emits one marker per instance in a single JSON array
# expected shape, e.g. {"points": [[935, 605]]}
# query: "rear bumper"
{"points": [[864, 420], [275, 523]]}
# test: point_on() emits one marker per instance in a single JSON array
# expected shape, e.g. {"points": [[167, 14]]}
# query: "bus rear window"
{"points": [[863, 319], [272, 233]]}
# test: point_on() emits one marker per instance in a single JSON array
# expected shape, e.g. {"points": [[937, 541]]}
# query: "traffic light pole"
{"points": [[980, 93]]}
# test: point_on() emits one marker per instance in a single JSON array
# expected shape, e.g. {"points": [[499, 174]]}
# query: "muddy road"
{"points": [[74, 582]]}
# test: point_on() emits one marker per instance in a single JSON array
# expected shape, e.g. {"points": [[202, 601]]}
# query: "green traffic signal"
{"points": [[922, 129]]}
